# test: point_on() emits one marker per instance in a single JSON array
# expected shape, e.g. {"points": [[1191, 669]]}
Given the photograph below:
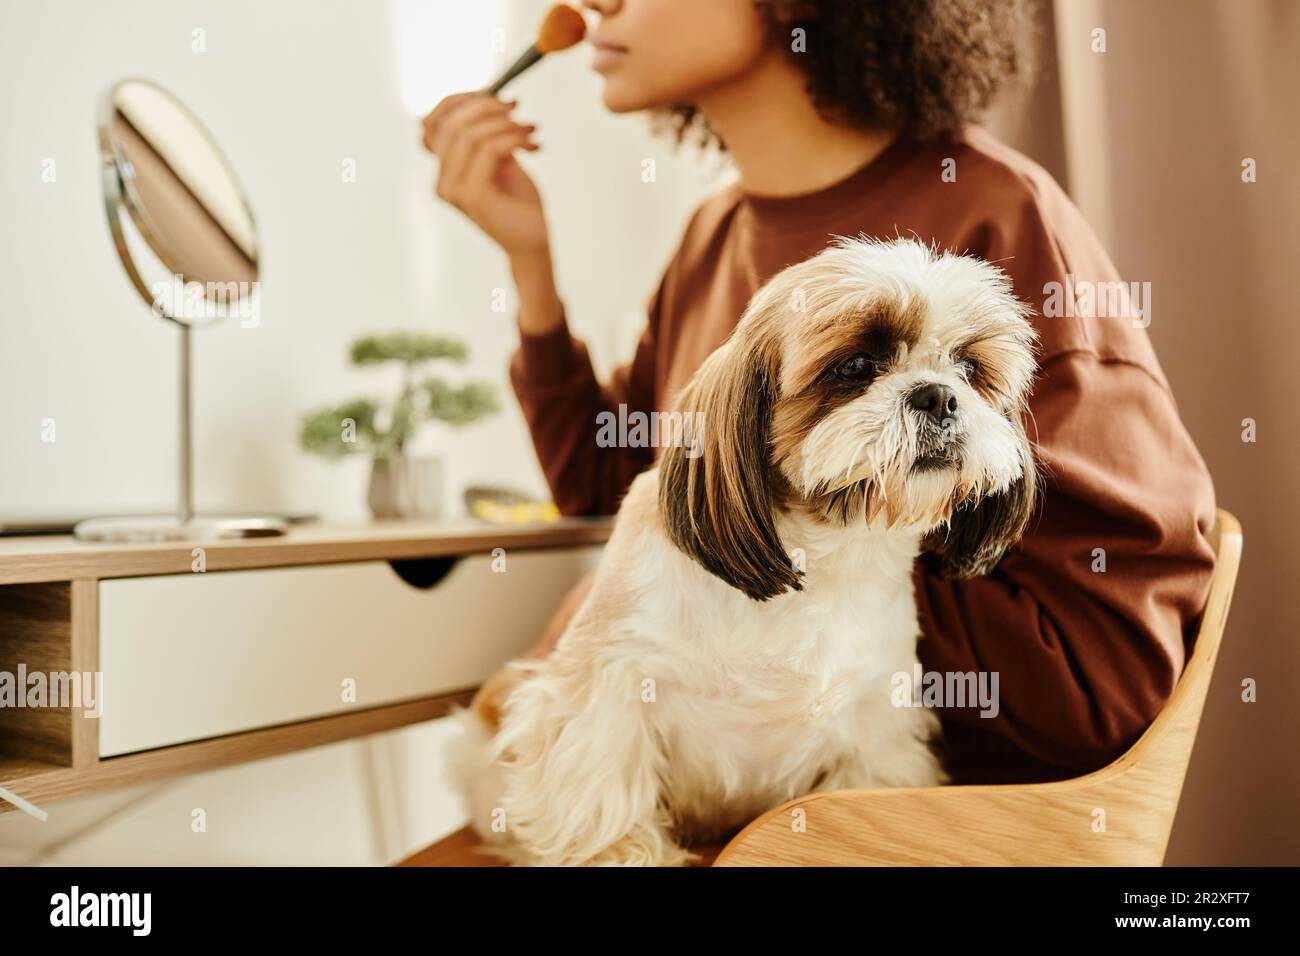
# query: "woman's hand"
{"points": [[474, 139]]}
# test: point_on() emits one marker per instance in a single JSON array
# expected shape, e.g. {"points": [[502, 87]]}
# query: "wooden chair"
{"points": [[1046, 824]]}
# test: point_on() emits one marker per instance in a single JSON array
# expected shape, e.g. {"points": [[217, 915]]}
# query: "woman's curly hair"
{"points": [[925, 67]]}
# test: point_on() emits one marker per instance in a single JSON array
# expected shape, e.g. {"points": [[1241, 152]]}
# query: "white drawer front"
{"points": [[186, 657]]}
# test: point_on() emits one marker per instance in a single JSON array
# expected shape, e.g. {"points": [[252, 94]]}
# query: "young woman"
{"points": [[855, 118]]}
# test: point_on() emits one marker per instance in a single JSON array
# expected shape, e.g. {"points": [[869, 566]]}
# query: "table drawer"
{"points": [[187, 657]]}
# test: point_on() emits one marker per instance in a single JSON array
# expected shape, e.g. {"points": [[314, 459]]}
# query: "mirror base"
{"points": [[155, 528]]}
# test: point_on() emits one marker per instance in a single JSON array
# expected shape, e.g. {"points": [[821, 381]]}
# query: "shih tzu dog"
{"points": [[755, 599]]}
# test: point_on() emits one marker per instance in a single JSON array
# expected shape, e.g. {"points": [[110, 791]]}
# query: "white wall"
{"points": [[290, 90]]}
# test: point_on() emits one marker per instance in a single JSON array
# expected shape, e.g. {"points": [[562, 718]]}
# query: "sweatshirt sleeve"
{"points": [[1084, 622], [561, 398]]}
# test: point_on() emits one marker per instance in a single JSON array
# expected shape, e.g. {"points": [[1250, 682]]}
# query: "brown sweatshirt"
{"points": [[1086, 622]]}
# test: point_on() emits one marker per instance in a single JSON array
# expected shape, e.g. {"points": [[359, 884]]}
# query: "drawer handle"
{"points": [[424, 573]]}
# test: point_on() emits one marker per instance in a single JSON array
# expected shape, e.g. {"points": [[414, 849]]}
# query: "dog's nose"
{"points": [[937, 401]]}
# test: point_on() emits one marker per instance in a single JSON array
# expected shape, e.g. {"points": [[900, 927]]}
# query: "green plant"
{"points": [[366, 425]]}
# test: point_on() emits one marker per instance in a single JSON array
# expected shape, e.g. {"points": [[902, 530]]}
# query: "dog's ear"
{"points": [[715, 490], [980, 532]]}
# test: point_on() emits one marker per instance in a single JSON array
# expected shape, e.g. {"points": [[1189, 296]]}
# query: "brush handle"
{"points": [[526, 59]]}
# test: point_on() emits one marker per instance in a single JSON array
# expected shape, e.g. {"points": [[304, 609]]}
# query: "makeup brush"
{"points": [[562, 28]]}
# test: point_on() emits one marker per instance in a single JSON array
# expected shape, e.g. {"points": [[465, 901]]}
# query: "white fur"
{"points": [[751, 702]]}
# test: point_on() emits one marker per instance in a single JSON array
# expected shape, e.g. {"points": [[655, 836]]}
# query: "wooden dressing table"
{"points": [[253, 647]]}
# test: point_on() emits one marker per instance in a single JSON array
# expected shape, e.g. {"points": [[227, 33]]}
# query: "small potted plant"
{"points": [[401, 485]]}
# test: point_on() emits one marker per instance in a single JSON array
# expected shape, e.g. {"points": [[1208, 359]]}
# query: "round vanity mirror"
{"points": [[187, 240], [179, 219]]}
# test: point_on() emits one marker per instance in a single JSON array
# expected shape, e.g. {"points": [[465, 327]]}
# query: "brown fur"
{"points": [[979, 534], [719, 507]]}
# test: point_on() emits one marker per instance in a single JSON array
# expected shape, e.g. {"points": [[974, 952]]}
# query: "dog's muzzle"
{"points": [[940, 430]]}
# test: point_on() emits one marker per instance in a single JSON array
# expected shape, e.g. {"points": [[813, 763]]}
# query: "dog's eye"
{"points": [[857, 368], [969, 368]]}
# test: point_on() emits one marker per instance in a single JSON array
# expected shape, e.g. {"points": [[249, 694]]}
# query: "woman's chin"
{"points": [[617, 101], [626, 97]]}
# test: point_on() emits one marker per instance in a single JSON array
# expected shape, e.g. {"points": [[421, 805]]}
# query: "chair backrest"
{"points": [[1174, 730], [1150, 774]]}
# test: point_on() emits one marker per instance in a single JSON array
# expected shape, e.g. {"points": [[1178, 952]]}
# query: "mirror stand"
{"points": [[185, 525]]}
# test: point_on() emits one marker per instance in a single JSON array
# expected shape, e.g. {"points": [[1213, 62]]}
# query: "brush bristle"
{"points": [[562, 28]]}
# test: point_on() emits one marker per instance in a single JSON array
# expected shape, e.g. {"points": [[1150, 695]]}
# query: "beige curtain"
{"points": [[1150, 137]]}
